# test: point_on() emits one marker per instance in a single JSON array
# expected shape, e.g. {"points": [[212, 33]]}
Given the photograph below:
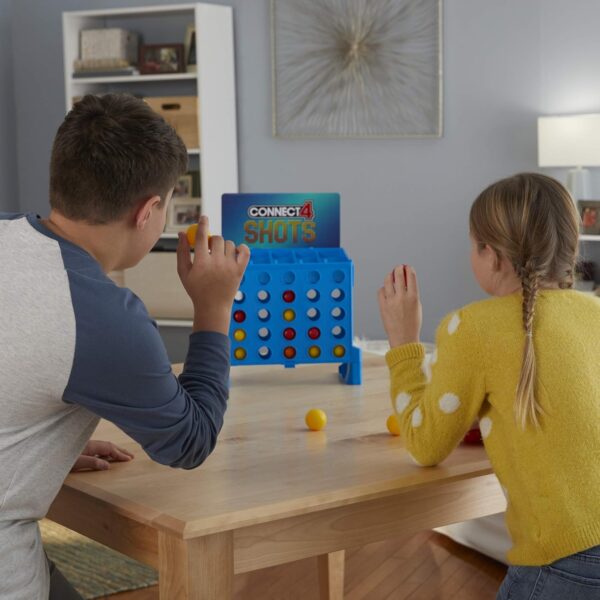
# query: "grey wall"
{"points": [[8, 154], [403, 200]]}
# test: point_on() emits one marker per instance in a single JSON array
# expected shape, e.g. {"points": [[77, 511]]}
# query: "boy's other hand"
{"points": [[212, 278], [400, 306], [97, 456]]}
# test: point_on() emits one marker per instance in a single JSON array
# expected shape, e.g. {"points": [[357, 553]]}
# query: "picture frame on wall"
{"points": [[183, 212], [589, 211], [359, 69], [161, 59]]}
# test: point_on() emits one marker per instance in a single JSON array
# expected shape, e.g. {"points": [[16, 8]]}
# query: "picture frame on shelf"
{"points": [[190, 48], [183, 212], [161, 59], [184, 186], [589, 210]]}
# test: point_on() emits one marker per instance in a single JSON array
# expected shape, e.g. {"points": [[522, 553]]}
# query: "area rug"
{"points": [[93, 569]]}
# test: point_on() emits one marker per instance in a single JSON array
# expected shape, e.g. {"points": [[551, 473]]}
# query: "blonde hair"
{"points": [[531, 220]]}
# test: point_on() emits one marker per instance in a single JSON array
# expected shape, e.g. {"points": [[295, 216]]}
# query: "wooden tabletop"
{"points": [[267, 465]]}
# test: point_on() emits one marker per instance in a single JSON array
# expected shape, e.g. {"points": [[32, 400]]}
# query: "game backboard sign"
{"points": [[274, 221]]}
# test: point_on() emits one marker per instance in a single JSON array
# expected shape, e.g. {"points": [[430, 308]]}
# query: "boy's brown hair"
{"points": [[109, 153]]}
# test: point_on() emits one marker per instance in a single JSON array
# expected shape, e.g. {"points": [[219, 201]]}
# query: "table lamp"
{"points": [[571, 141]]}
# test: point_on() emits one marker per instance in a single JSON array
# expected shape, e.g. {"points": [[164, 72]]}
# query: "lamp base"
{"points": [[578, 183]]}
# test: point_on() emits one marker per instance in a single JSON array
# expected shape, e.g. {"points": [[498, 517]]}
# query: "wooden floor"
{"points": [[427, 566]]}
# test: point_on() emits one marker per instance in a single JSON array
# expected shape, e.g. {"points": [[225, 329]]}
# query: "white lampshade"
{"points": [[569, 141]]}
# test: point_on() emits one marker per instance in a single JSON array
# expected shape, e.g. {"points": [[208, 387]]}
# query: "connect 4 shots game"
{"points": [[294, 305]]}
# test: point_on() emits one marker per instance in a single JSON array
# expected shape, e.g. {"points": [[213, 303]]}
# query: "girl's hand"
{"points": [[400, 306], [97, 456]]}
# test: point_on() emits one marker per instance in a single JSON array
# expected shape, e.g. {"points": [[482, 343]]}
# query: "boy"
{"points": [[75, 347]]}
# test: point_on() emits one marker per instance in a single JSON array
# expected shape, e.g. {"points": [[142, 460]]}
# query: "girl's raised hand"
{"points": [[400, 306]]}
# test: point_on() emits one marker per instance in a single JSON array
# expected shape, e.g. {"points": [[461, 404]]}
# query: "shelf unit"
{"points": [[216, 157], [589, 238], [213, 83]]}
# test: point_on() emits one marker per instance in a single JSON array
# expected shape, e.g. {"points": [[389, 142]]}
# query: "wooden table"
{"points": [[274, 492]]}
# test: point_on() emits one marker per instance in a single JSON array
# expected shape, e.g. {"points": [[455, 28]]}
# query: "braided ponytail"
{"points": [[531, 220], [526, 405]]}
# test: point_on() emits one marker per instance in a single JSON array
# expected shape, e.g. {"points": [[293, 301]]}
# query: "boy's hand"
{"points": [[97, 456], [400, 306], [213, 278]]}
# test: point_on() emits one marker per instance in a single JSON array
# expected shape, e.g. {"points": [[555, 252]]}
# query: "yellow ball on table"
{"points": [[393, 425], [315, 419]]}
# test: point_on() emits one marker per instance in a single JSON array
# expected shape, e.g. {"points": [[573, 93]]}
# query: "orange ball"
{"points": [[393, 425], [315, 419], [191, 233]]}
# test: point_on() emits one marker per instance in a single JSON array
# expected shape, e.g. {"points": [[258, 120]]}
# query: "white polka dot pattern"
{"points": [[426, 367], [414, 460], [417, 417], [449, 403], [485, 426], [402, 401], [453, 323]]}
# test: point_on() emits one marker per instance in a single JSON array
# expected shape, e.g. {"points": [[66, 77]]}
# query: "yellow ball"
{"points": [[239, 353], [339, 351], [239, 335], [289, 314], [314, 351], [393, 425], [191, 232], [315, 419]]}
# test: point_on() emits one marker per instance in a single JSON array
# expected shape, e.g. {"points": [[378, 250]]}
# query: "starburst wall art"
{"points": [[357, 68]]}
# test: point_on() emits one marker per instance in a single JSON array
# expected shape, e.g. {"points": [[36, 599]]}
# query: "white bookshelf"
{"points": [[589, 238], [213, 83]]}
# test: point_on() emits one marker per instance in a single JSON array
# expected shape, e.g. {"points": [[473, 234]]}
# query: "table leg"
{"points": [[196, 569], [331, 575]]}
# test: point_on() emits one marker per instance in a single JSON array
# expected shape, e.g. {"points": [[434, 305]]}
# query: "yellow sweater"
{"points": [[551, 476]]}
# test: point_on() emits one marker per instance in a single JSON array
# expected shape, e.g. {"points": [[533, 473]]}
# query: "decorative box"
{"points": [[181, 112], [110, 43]]}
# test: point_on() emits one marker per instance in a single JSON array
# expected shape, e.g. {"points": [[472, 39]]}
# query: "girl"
{"points": [[526, 363]]}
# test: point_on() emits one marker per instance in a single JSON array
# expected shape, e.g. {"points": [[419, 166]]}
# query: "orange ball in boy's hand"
{"points": [[191, 233], [393, 425], [315, 419]]}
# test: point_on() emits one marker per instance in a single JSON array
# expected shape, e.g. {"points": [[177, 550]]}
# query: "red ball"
{"points": [[239, 316], [289, 333], [314, 333], [289, 352], [289, 296], [473, 436]]}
